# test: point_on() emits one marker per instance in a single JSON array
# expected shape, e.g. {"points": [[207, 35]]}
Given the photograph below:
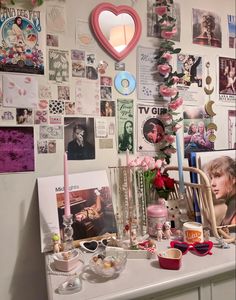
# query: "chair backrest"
{"points": [[199, 193]]}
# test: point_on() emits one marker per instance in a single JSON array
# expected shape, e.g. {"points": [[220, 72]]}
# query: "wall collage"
{"points": [[86, 110]]}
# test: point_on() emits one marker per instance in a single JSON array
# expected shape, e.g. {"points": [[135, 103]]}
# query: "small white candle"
{"points": [[66, 188], [180, 164]]}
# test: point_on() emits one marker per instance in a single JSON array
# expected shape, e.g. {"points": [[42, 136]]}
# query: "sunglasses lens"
{"points": [[104, 242], [182, 247], [92, 246], [202, 248]]}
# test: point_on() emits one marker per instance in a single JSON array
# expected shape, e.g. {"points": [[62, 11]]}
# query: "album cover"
{"points": [[90, 203]]}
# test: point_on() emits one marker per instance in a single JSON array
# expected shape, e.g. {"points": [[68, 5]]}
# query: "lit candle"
{"points": [[66, 188], [180, 164]]}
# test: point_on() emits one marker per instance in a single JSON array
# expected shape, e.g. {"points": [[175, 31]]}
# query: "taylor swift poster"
{"points": [[21, 33]]}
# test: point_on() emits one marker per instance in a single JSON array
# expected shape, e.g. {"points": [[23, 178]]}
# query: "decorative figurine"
{"points": [[159, 232], [56, 243], [167, 230], [206, 234]]}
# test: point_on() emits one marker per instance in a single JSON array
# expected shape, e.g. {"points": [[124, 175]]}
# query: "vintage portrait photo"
{"points": [[79, 138]]}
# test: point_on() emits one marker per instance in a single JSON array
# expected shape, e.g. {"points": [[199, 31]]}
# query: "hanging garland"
{"points": [[168, 90], [34, 3]]}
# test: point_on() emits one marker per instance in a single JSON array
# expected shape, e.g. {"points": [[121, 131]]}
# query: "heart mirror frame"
{"points": [[116, 10]]}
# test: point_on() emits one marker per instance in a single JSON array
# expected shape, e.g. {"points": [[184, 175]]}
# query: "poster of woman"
{"points": [[21, 49], [220, 166]]}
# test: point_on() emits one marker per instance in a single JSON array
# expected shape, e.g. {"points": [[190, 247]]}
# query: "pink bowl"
{"points": [[170, 259]]}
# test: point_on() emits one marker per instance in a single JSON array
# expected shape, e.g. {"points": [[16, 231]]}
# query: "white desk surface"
{"points": [[144, 276]]}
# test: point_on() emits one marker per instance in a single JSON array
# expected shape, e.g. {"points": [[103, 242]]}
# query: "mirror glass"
{"points": [[118, 30]]}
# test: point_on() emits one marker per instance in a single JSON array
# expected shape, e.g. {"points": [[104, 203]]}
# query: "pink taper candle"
{"points": [[66, 188]]}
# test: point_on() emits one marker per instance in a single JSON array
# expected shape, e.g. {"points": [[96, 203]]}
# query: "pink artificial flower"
{"points": [[148, 162], [166, 91], [169, 138], [170, 151], [159, 164], [161, 10], [176, 127], [167, 56], [175, 79], [164, 69], [166, 34], [33, 2], [173, 105], [166, 117]]}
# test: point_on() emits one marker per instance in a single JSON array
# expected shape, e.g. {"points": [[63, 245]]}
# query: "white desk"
{"points": [[210, 277]]}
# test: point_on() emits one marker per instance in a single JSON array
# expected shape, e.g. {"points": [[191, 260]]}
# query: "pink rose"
{"points": [[169, 151], [159, 163], [166, 91], [176, 104], [164, 69], [166, 117], [167, 56], [161, 10], [176, 127], [175, 79], [169, 138], [165, 34]]}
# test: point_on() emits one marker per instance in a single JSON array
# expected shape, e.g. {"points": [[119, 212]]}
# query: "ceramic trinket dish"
{"points": [[68, 260], [170, 259]]}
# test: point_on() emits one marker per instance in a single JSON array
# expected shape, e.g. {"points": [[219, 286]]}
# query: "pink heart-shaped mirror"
{"points": [[117, 28]]}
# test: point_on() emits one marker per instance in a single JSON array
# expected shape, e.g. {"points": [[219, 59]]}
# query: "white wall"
{"points": [[22, 274]]}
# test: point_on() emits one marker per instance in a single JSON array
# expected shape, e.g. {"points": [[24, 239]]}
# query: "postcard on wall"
{"points": [[20, 91], [84, 38], [150, 128], [7, 116], [56, 19], [227, 81], [232, 129], [146, 66], [93, 214], [58, 65], [79, 138], [22, 40], [232, 31], [125, 120], [212, 163], [206, 28], [16, 149], [87, 97], [190, 85], [198, 131]]}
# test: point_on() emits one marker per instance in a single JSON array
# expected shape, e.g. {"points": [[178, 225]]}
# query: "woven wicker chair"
{"points": [[200, 192]]}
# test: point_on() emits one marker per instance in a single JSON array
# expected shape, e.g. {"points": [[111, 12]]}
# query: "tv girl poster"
{"points": [[21, 40]]}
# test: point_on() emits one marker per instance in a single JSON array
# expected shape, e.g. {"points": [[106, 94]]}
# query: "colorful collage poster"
{"points": [[22, 41]]}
